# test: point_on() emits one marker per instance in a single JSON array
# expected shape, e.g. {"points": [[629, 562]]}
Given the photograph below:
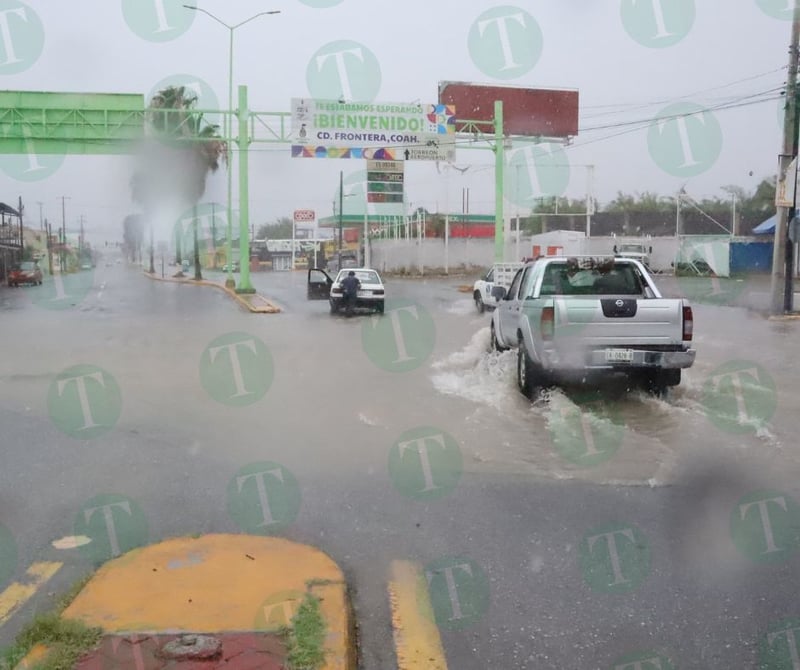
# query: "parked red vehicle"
{"points": [[25, 273]]}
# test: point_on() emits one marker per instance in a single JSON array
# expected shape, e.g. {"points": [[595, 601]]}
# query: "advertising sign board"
{"points": [[372, 131], [532, 112]]}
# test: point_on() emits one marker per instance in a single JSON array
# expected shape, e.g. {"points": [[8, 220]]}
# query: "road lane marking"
{"points": [[17, 593], [417, 643]]}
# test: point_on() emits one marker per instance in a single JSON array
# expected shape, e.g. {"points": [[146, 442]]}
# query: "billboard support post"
{"points": [[499, 160], [244, 195]]}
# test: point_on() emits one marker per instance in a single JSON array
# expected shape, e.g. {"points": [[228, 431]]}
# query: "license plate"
{"points": [[619, 355], [364, 294]]}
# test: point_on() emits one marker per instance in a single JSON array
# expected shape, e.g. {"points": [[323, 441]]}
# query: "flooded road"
{"points": [[594, 526]]}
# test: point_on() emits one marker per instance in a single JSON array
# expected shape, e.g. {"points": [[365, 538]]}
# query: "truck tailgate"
{"points": [[604, 322]]}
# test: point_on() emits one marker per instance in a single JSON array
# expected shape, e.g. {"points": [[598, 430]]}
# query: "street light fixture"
{"points": [[229, 281]]}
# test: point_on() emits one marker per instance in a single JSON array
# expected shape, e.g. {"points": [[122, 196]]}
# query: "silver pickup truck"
{"points": [[584, 319]]}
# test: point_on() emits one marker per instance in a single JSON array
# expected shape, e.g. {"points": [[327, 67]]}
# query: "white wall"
{"points": [[468, 253], [463, 253]]}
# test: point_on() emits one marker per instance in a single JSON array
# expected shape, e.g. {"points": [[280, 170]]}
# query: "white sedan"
{"points": [[371, 294]]}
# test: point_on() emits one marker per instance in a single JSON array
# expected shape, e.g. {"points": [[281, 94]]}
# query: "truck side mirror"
{"points": [[615, 249], [651, 250], [498, 292]]}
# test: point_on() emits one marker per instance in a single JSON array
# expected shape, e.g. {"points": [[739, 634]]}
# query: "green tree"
{"points": [[280, 229]]}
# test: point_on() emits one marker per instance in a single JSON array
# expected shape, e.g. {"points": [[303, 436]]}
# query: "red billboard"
{"points": [[533, 112]]}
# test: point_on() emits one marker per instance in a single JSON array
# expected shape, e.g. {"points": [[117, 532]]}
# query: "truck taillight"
{"points": [[547, 323], [688, 323]]}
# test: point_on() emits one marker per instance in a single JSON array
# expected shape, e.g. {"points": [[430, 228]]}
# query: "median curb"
{"points": [[253, 302], [221, 585]]}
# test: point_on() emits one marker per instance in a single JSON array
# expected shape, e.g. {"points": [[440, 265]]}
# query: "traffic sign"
{"points": [[432, 150], [304, 216]]}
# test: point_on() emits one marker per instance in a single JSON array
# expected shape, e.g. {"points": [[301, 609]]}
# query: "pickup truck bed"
{"points": [[585, 319]]}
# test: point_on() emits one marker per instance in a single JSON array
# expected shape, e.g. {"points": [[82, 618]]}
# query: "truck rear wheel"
{"points": [[494, 345]]}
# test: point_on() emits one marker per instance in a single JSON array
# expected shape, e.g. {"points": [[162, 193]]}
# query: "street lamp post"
{"points": [[341, 197], [229, 281]]}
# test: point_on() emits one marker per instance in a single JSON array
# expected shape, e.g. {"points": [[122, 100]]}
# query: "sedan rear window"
{"points": [[364, 276]]}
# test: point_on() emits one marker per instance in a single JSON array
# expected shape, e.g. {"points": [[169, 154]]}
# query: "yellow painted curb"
{"points": [[785, 317], [266, 308], [465, 289], [416, 638], [17, 594], [34, 656], [217, 584]]}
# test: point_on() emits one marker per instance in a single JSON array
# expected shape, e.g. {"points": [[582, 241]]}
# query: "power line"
{"points": [[641, 125], [642, 105]]}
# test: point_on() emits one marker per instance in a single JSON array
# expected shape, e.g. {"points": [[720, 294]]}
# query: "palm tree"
{"points": [[188, 148], [133, 234]]}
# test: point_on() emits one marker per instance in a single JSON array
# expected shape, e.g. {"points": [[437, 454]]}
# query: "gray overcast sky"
{"points": [[630, 60]]}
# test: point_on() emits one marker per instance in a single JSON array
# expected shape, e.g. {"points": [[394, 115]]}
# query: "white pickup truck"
{"points": [[584, 319], [501, 275]]}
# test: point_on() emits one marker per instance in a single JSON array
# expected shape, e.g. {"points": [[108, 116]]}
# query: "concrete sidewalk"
{"points": [[212, 601]]}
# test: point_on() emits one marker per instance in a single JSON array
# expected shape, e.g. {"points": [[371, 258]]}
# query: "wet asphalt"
{"points": [[582, 530]]}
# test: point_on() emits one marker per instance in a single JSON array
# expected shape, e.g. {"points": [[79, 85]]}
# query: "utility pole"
{"points": [[341, 197], [783, 250], [49, 232], [21, 210], [62, 254], [41, 224]]}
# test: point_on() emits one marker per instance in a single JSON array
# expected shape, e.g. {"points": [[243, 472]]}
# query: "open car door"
{"points": [[319, 284]]}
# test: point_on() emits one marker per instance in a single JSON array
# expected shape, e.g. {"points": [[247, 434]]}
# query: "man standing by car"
{"points": [[350, 286]]}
